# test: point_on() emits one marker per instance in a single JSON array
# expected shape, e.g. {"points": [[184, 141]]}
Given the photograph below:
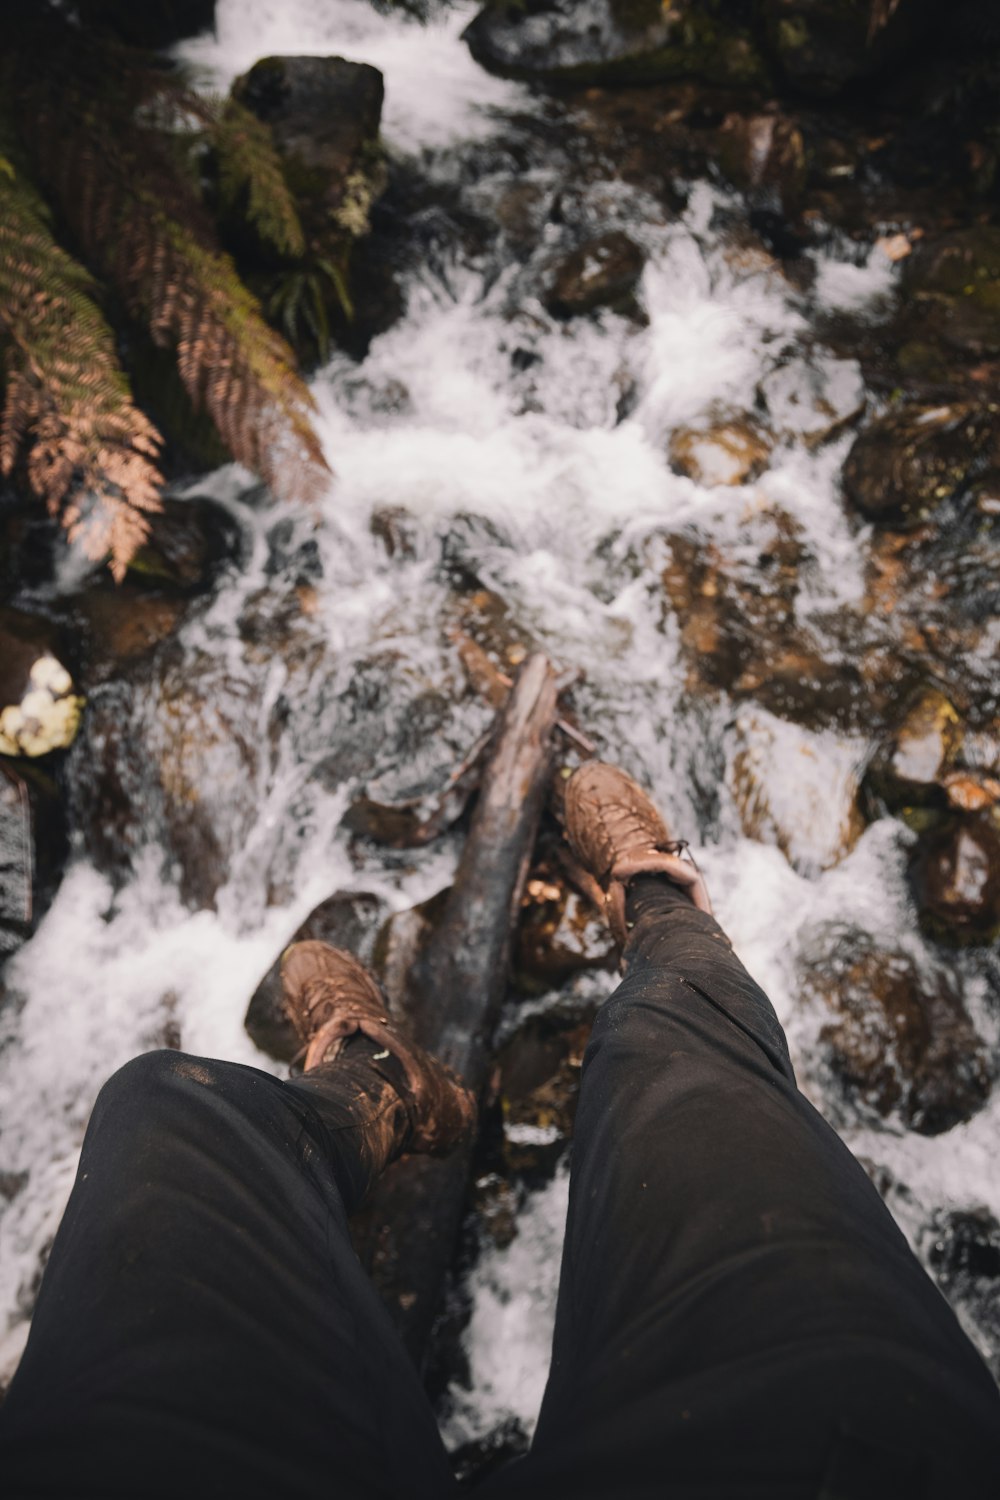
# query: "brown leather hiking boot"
{"points": [[616, 832], [330, 997]]}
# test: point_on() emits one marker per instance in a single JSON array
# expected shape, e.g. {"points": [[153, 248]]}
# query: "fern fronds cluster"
{"points": [[117, 145], [88, 452], [251, 179]]}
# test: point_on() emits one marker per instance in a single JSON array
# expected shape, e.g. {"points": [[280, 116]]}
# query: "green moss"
{"points": [[793, 34]]}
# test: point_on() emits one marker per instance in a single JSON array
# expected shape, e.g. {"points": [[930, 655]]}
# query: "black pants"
{"points": [[738, 1314]]}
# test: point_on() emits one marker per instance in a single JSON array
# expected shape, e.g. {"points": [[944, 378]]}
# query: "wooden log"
{"points": [[412, 1221]]}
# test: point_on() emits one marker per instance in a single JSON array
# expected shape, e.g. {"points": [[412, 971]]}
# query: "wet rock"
{"points": [[814, 400], [962, 1248], [33, 850], [613, 41], [955, 871], [735, 605], [764, 156], [398, 529], [189, 541], [168, 760], [908, 462], [324, 115], [39, 709], [521, 211], [900, 1040], [417, 816], [931, 596], [911, 765], [559, 932], [475, 1460], [124, 624], [400, 942], [953, 281], [727, 453], [16, 861], [796, 790], [347, 919], [603, 272], [539, 1088]]}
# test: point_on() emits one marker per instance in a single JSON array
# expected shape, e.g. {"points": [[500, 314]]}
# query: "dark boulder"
{"points": [[33, 849], [347, 919], [123, 623], [324, 115], [16, 861], [190, 540], [952, 282], [962, 1248], [898, 1039], [168, 760], [614, 41], [603, 272], [955, 870], [910, 461]]}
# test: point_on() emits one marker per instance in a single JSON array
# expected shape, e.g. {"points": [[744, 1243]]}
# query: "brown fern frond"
{"points": [[251, 177], [138, 220], [88, 452]]}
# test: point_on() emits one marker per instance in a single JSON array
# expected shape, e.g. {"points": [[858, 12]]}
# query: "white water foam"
{"points": [[435, 94]]}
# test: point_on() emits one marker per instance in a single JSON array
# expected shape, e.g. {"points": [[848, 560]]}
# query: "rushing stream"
{"points": [[530, 454]]}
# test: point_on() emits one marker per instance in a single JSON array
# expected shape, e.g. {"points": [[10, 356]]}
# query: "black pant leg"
{"points": [[738, 1313], [204, 1327]]}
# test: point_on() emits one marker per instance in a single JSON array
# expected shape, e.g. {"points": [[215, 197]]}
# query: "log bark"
{"points": [[411, 1224]]}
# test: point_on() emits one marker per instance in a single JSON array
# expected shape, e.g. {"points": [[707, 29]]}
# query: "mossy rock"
{"points": [[953, 282], [908, 462], [615, 41]]}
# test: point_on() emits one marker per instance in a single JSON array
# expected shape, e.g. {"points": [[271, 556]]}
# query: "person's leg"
{"points": [[203, 1326], [738, 1314]]}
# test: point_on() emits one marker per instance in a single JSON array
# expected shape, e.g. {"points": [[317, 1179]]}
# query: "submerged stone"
{"points": [[955, 871], [602, 272], [953, 281], [912, 764], [962, 1248], [727, 453], [908, 462], [614, 41], [899, 1039], [189, 541], [796, 789]]}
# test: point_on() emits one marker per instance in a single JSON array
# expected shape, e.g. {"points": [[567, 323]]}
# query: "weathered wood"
{"points": [[456, 988]]}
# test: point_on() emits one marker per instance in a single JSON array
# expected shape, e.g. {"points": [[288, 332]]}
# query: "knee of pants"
{"points": [[151, 1075]]}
